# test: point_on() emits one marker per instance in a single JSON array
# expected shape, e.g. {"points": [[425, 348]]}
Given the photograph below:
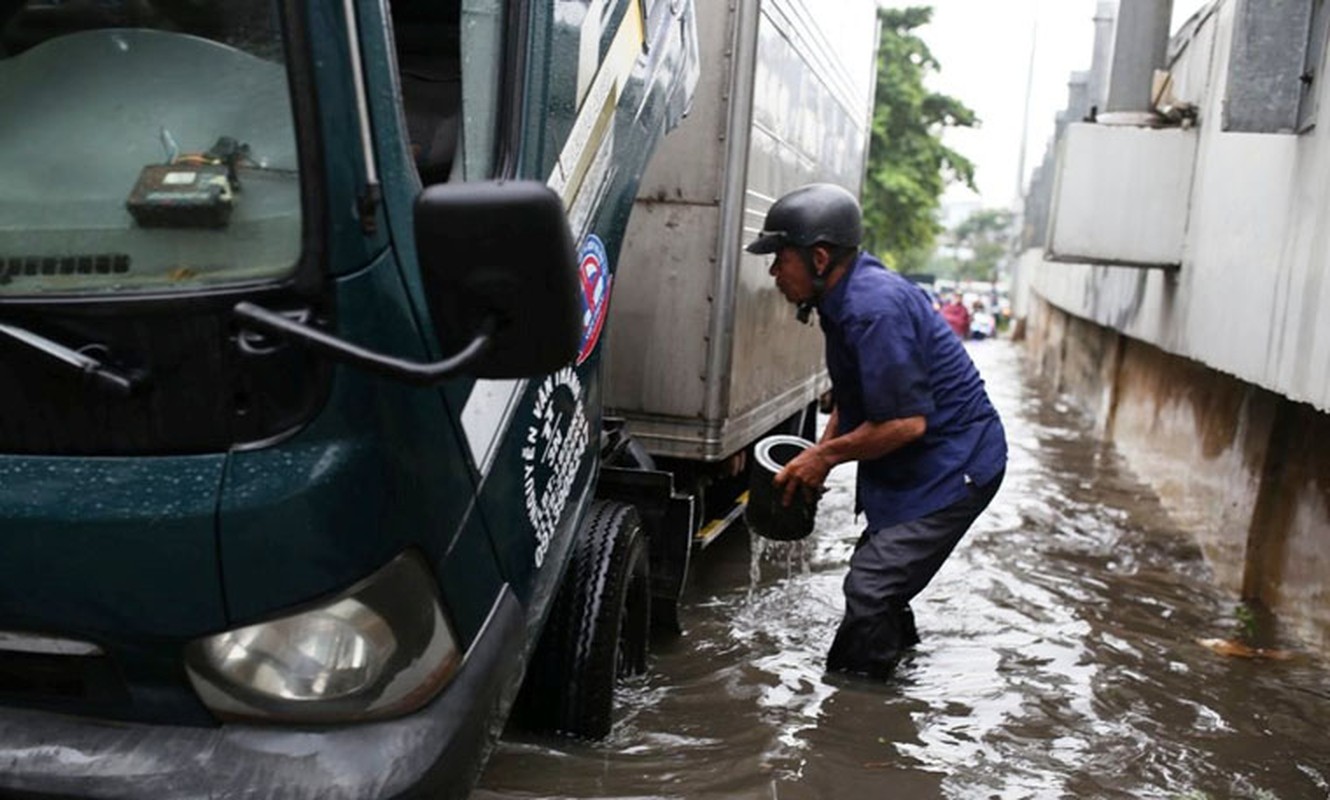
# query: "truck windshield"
{"points": [[145, 146]]}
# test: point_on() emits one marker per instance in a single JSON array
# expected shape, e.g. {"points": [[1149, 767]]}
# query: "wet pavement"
{"points": [[1059, 660]]}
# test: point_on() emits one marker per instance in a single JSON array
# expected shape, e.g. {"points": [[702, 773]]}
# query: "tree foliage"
{"points": [[974, 249], [908, 165], [984, 225], [986, 234]]}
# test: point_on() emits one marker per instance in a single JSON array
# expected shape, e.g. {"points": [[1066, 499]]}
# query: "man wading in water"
{"points": [[909, 407]]}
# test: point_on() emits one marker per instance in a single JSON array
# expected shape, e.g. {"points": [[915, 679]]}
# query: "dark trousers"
{"points": [[889, 567]]}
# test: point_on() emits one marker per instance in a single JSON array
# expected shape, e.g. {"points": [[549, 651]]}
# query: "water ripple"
{"points": [[1059, 661]]}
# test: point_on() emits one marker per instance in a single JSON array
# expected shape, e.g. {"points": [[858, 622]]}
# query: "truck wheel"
{"points": [[597, 630]]}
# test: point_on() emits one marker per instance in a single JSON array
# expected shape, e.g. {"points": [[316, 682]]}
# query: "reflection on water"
{"points": [[1059, 660]]}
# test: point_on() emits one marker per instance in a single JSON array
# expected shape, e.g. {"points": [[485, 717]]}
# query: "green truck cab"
{"points": [[300, 404]]}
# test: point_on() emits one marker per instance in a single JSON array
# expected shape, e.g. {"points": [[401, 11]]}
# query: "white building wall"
{"points": [[1249, 295]]}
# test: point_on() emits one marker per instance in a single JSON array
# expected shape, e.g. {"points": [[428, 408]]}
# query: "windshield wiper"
{"points": [[93, 371]]}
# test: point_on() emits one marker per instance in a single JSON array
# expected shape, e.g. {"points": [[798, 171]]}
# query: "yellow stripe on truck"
{"points": [[595, 118]]}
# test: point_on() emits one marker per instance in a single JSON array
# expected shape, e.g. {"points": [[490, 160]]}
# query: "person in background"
{"points": [[982, 324], [909, 407], [953, 311], [958, 318]]}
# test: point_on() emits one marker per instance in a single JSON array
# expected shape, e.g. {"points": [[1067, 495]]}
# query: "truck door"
{"points": [[573, 109], [541, 449]]}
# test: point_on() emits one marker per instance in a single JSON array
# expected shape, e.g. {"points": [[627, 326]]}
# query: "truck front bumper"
{"points": [[436, 752]]}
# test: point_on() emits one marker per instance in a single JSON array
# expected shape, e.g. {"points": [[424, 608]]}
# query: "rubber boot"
{"points": [[872, 645], [909, 633]]}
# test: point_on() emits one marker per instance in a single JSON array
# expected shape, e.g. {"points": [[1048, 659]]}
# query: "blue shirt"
{"points": [[891, 356]]}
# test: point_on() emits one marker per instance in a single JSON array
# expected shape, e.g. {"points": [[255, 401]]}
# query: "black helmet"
{"points": [[818, 212]]}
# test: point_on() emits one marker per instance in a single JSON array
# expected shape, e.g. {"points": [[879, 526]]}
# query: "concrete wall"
{"points": [[1213, 380], [1251, 298], [1244, 469]]}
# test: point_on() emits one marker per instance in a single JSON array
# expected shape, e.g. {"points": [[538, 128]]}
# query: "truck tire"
{"points": [[597, 630]]}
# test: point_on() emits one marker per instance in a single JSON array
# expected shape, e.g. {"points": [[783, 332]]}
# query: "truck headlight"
{"points": [[381, 649]]}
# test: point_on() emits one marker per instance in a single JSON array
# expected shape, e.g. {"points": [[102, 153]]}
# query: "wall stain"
{"points": [[1262, 456]]}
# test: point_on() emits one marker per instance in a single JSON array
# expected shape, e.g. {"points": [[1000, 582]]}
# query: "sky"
{"points": [[984, 48]]}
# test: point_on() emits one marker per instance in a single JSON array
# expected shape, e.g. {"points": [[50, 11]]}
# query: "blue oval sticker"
{"points": [[593, 268]]}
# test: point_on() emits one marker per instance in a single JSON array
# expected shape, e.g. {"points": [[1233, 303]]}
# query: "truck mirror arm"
{"points": [[412, 372]]}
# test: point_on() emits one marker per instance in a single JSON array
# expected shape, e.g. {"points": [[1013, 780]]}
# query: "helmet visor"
{"points": [[767, 242]]}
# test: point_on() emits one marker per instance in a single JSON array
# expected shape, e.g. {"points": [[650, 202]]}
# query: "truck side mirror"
{"points": [[500, 253]]}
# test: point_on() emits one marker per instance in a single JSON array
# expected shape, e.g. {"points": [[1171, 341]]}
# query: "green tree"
{"points": [[908, 166], [985, 234]]}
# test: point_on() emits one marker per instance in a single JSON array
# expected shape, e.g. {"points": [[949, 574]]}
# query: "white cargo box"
{"points": [[702, 353]]}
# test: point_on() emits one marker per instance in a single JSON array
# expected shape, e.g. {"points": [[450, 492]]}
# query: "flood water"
{"points": [[1059, 660]]}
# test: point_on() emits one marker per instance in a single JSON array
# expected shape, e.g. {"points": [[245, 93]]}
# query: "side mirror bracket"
{"points": [[406, 370], [500, 277]]}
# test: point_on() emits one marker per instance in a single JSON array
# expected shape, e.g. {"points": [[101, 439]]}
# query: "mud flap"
{"points": [[668, 517]]}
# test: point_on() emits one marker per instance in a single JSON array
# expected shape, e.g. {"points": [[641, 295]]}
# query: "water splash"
{"points": [[794, 557]]}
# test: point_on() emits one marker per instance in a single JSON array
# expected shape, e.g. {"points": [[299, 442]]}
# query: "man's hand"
{"points": [[807, 472]]}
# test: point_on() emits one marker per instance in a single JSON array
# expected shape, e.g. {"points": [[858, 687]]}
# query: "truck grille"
{"points": [[39, 678], [69, 676]]}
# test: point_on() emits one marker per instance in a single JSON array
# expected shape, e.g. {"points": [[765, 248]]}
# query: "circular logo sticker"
{"points": [[594, 271]]}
